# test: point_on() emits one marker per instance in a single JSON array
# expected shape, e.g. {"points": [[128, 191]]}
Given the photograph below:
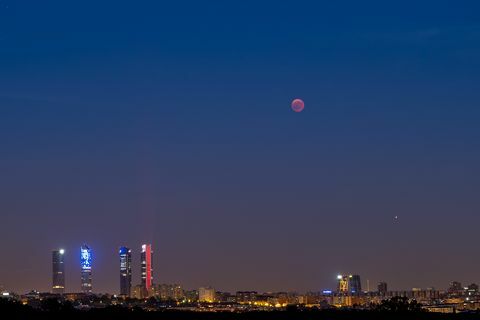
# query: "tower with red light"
{"points": [[146, 272]]}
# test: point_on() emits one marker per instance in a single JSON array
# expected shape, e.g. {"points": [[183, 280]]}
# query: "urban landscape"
{"points": [[239, 159], [150, 296]]}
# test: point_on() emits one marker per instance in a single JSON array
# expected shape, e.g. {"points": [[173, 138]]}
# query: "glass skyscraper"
{"points": [[125, 271], [86, 266], [58, 271], [355, 285], [146, 271]]}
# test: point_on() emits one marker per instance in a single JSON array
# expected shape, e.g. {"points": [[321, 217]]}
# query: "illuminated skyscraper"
{"points": [[343, 282], [146, 272], [86, 266], [349, 284], [58, 271], [125, 271]]}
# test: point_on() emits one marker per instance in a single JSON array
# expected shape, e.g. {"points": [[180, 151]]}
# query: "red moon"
{"points": [[298, 105]]}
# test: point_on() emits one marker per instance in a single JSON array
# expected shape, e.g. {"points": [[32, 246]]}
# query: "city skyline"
{"points": [[257, 145], [350, 284]]}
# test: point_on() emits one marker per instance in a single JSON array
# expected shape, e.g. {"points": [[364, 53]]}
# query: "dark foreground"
{"points": [[273, 315], [17, 311]]}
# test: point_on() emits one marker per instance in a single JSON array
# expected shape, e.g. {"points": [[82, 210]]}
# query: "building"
{"points": [[342, 286], [354, 284], [224, 297], [455, 288], [147, 269], [86, 268], [169, 292], [137, 292], [178, 292], [191, 295], [246, 296], [58, 271], [125, 271], [308, 299], [206, 294], [425, 296], [350, 284], [471, 290], [441, 308], [348, 301], [382, 288]]}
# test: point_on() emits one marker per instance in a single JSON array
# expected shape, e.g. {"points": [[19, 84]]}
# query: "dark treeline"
{"points": [[52, 309]]}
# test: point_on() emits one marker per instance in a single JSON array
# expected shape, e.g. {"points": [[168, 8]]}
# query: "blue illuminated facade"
{"points": [[85, 257], [86, 266]]}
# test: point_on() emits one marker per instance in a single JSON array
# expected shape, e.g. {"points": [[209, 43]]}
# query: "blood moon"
{"points": [[298, 105]]}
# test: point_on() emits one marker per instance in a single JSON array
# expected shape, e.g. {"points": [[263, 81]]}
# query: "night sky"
{"points": [[125, 122]]}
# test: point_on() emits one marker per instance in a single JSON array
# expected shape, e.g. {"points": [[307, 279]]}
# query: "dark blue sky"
{"points": [[123, 122]]}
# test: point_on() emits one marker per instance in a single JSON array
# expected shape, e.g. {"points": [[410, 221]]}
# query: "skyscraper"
{"points": [[86, 266], [355, 286], [146, 271], [343, 284], [349, 284], [58, 271], [125, 271]]}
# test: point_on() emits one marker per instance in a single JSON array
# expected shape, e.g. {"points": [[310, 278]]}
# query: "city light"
{"points": [[85, 257]]}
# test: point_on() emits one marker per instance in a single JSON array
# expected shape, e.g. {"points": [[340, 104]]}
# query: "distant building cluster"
{"points": [[145, 289], [148, 295]]}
